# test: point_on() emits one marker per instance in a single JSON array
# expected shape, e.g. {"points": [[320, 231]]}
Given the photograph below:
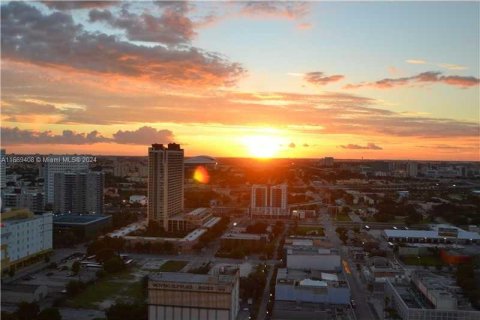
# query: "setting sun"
{"points": [[262, 146]]}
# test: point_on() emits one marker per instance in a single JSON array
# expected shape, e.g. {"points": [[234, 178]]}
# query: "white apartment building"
{"points": [[25, 238]]}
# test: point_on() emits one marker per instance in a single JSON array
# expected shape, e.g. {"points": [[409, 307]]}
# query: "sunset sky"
{"points": [[378, 80]]}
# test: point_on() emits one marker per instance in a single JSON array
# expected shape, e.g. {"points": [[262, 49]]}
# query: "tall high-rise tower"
{"points": [[49, 170], [78, 192], [3, 169], [269, 200], [278, 199], [165, 182]]}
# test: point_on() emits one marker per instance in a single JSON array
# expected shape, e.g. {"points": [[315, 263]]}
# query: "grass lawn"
{"points": [[429, 261], [304, 230], [111, 287], [342, 217], [172, 266]]}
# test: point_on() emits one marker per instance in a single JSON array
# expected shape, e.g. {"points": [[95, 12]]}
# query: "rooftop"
{"points": [[243, 236], [438, 232], [182, 277], [79, 219]]}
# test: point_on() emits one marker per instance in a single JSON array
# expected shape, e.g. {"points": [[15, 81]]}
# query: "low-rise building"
{"points": [[440, 233], [428, 296], [313, 258], [194, 219], [179, 296], [84, 227], [244, 240], [26, 238], [301, 294]]}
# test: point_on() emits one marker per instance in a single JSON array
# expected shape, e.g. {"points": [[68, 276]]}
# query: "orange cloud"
{"points": [[319, 78]]}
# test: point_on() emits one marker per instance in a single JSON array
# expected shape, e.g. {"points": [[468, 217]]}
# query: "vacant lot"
{"points": [[173, 266], [103, 292], [309, 230], [429, 261]]}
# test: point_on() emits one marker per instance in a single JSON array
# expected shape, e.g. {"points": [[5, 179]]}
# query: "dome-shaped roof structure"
{"points": [[198, 160]]}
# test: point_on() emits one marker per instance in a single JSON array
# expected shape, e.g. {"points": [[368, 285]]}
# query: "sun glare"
{"points": [[262, 146]]}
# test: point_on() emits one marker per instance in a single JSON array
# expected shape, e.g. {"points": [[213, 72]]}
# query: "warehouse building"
{"points": [[440, 233], [184, 296]]}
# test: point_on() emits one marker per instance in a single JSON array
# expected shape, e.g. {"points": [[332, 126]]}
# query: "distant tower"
{"points": [[328, 162], [78, 192], [272, 201], [52, 168], [165, 182], [3, 167], [278, 199], [412, 169], [259, 198]]}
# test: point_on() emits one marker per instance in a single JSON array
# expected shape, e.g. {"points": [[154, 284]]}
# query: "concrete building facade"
{"points": [[78, 192], [25, 237], [185, 296], [58, 165], [313, 258], [269, 200]]}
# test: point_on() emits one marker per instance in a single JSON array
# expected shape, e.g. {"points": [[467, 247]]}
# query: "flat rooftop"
{"points": [[430, 234], [183, 277], [309, 250], [243, 236], [79, 219], [291, 275]]}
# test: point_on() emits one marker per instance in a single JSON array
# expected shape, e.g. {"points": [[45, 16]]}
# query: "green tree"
{"points": [[74, 287], [127, 311], [8, 316], [114, 264], [76, 267], [27, 310], [49, 314]]}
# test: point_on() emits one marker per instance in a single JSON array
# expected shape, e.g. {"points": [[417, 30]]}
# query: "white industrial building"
{"points": [[440, 233], [428, 296], [313, 258]]}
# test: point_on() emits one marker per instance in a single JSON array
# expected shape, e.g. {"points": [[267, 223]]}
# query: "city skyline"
{"points": [[248, 79]]}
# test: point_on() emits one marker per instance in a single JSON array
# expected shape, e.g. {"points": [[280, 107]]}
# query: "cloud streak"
{"points": [[419, 79], [369, 146], [285, 9], [319, 78]]}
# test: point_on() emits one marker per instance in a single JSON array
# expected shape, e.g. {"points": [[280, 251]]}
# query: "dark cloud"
{"points": [[71, 5], [370, 146], [284, 9], [142, 136], [422, 78], [319, 78], [306, 145], [16, 136], [55, 40], [292, 145], [171, 28]]}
